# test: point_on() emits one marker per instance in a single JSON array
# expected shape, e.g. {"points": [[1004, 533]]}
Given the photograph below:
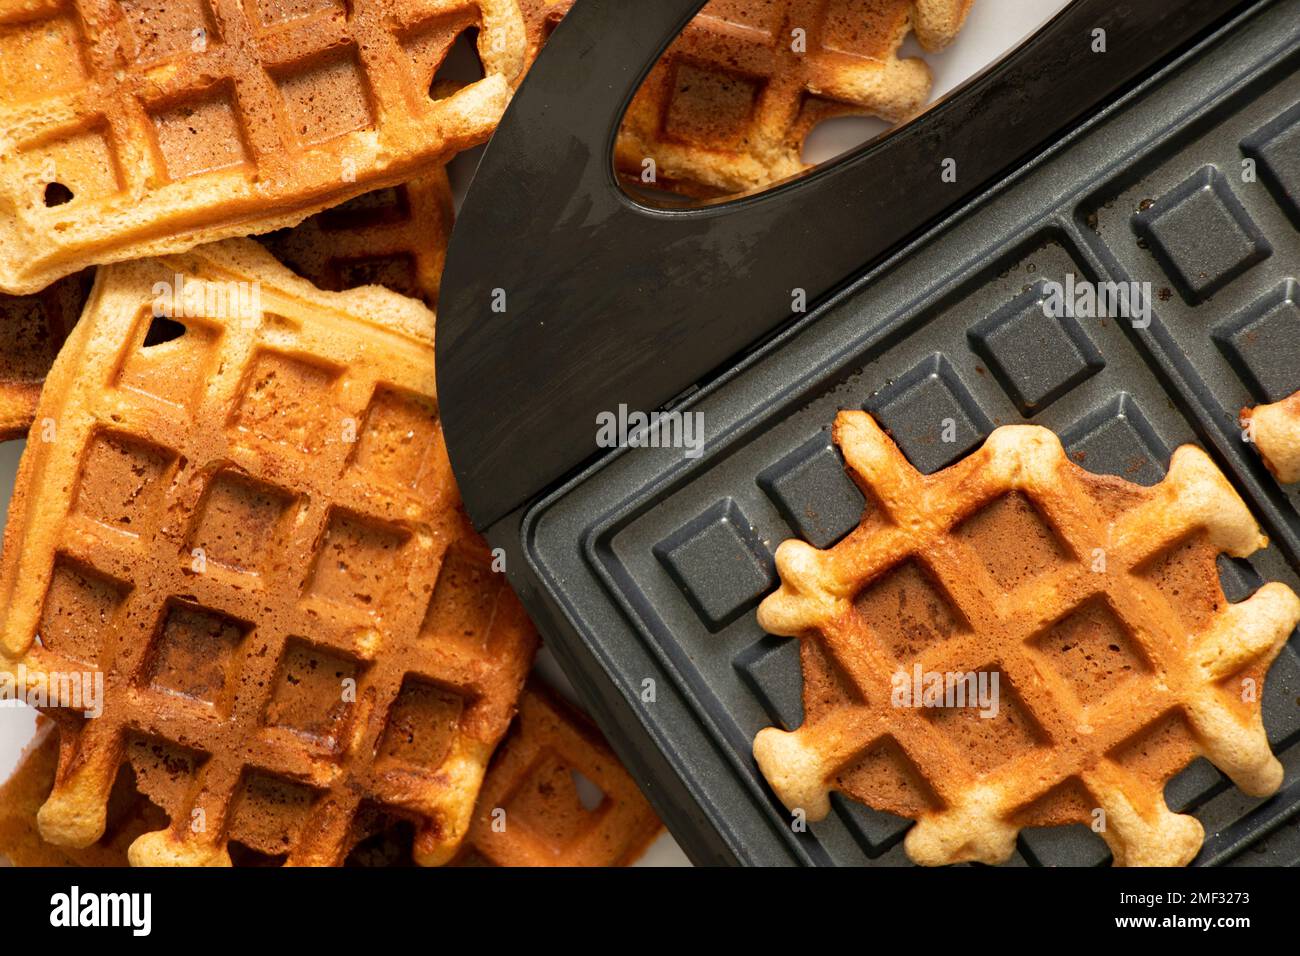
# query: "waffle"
{"points": [[252, 531], [32, 328], [394, 237], [531, 811], [132, 127], [1275, 430], [130, 816], [1096, 601], [728, 107], [531, 780]]}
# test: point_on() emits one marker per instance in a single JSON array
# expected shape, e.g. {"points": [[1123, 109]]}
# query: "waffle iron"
{"points": [[1173, 158]]}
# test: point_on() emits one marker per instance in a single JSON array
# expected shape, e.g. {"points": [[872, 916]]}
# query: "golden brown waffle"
{"points": [[728, 107], [252, 531], [130, 816], [394, 237], [531, 787], [557, 796], [1275, 431], [32, 328], [1096, 601], [138, 127]]}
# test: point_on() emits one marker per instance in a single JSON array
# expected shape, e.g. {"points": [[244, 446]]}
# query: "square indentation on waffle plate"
{"points": [[815, 496], [1275, 147], [1262, 343], [930, 413], [1201, 235], [771, 669], [1117, 439], [718, 563], [1036, 358]]}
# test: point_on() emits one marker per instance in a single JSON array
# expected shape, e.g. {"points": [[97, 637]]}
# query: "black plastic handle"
{"points": [[609, 302]]}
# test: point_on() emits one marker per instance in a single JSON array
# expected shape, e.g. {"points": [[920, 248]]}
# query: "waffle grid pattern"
{"points": [[917, 518], [236, 460], [546, 822], [394, 237], [729, 106], [158, 128], [532, 778]]}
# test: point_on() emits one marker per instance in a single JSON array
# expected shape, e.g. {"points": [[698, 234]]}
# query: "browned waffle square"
{"points": [[1096, 601], [248, 524], [139, 127]]}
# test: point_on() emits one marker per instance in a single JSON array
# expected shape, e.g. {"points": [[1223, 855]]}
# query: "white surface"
{"points": [[994, 27]]}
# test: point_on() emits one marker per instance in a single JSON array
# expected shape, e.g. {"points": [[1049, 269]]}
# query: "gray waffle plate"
{"points": [[674, 554]]}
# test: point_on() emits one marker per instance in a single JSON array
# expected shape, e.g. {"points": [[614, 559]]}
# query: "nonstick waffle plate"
{"points": [[656, 602]]}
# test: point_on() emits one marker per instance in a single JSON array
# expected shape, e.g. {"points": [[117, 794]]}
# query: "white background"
{"points": [[993, 28]]}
